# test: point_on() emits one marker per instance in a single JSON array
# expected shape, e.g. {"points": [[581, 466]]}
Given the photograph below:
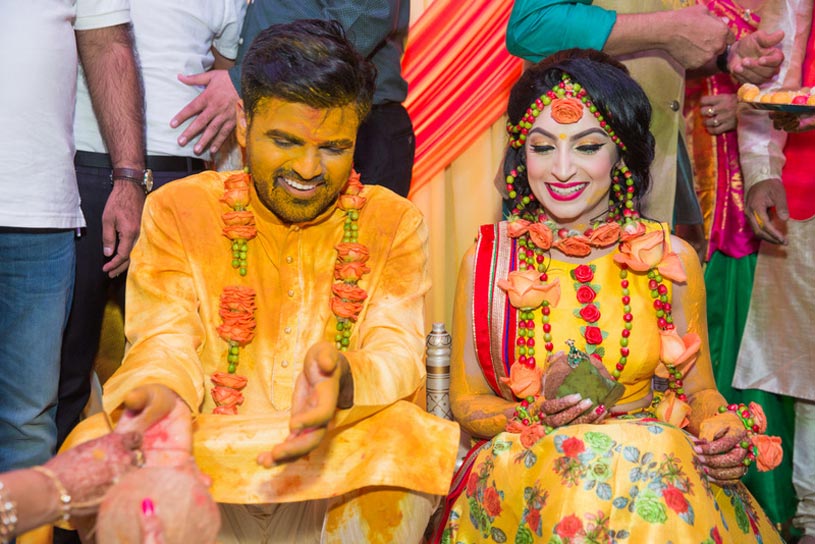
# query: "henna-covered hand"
{"points": [[569, 410], [723, 457], [90, 469]]}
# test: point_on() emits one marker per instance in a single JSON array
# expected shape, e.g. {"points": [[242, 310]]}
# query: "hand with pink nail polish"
{"points": [[158, 505], [151, 530]]}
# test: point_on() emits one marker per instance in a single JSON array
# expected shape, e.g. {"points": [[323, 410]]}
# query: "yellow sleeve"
{"points": [[163, 326], [477, 409], [389, 364], [690, 315]]}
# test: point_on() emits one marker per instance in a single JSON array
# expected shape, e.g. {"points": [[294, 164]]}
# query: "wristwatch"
{"points": [[721, 60], [143, 177]]}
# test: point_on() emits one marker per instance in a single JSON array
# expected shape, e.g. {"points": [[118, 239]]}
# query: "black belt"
{"points": [[157, 163]]}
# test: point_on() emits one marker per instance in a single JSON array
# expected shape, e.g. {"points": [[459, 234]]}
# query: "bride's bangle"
{"points": [[8, 515], [64, 496]]}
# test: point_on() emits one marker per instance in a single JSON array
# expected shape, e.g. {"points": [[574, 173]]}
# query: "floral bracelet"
{"points": [[527, 419], [522, 413], [765, 450]]}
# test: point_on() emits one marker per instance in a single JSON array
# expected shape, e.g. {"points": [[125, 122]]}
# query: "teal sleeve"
{"points": [[538, 28]]}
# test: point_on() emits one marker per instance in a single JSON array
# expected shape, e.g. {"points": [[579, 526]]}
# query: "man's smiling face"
{"points": [[300, 157]]}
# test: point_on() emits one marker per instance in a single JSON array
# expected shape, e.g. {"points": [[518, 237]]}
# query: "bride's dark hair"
{"points": [[619, 98]]}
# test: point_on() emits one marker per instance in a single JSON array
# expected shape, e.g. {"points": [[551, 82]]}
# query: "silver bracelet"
{"points": [[8, 516]]}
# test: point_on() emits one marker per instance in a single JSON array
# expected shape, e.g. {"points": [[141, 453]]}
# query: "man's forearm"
{"points": [[635, 32], [116, 91], [692, 36]]}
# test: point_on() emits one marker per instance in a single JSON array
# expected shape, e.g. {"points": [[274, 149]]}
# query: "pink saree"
{"points": [[715, 158]]}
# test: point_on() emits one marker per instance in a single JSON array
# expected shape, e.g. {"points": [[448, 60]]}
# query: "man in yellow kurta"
{"points": [[319, 348]]}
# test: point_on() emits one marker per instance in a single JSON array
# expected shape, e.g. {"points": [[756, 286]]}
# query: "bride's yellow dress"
{"points": [[630, 479]]}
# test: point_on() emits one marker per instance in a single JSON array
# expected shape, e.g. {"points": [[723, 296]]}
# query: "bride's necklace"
{"points": [[532, 257]]}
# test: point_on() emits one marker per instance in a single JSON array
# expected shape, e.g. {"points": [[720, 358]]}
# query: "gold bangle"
{"points": [[64, 496], [8, 516], [758, 219]]}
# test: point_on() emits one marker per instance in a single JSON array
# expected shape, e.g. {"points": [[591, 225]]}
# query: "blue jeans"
{"points": [[36, 286]]}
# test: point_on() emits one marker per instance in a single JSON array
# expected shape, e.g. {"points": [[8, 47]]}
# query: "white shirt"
{"points": [[761, 148], [37, 93], [172, 37]]}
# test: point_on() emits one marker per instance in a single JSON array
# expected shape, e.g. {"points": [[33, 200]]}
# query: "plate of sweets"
{"points": [[799, 101]]}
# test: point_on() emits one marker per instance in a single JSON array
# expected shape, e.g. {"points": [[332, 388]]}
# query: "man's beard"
{"points": [[287, 207]]}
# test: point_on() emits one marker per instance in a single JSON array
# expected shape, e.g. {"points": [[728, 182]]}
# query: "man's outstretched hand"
{"points": [[324, 385], [164, 420]]}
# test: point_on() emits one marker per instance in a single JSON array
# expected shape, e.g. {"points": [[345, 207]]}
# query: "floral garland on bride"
{"points": [[638, 252]]}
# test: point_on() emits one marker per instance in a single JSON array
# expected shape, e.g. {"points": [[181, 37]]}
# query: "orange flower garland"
{"points": [[237, 303], [347, 297], [239, 224]]}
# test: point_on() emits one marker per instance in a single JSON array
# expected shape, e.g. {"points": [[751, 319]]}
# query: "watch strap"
{"points": [[143, 177], [721, 60]]}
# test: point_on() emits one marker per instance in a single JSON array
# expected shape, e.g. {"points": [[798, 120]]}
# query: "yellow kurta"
{"points": [[179, 269]]}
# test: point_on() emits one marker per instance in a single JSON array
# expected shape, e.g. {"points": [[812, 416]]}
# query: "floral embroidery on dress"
{"points": [[485, 501]]}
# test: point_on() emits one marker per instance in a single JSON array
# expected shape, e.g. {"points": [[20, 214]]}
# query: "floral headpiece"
{"points": [[566, 98]]}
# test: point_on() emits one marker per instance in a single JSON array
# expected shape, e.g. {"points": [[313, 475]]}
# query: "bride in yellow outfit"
{"points": [[580, 343]]}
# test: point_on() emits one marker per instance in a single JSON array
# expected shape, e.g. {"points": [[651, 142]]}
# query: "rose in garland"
{"points": [[345, 309], [575, 246], [350, 272], [590, 313], [673, 411], [770, 453], [523, 381], [226, 396], [540, 235], [594, 336], [605, 235], [679, 351], [759, 419], [517, 228], [648, 251], [236, 190], [567, 110], [527, 291], [349, 252], [349, 292], [585, 294]]}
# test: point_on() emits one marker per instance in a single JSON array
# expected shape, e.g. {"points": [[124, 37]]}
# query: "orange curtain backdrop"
{"points": [[459, 75]]}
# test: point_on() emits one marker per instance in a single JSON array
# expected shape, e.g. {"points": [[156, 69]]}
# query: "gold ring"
{"points": [[758, 219], [139, 458], [715, 122], [711, 112]]}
